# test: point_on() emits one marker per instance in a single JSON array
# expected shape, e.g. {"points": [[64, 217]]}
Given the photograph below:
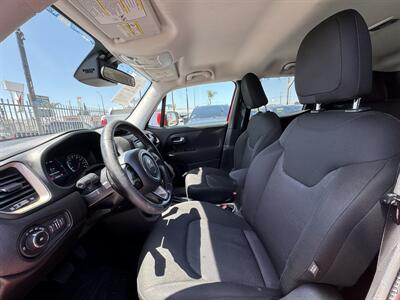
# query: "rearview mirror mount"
{"points": [[95, 71]]}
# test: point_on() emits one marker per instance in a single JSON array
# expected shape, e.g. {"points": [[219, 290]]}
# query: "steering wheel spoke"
{"points": [[121, 160], [159, 194], [157, 159], [133, 176]]}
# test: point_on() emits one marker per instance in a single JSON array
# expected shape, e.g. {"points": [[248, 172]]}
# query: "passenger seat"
{"points": [[216, 185]]}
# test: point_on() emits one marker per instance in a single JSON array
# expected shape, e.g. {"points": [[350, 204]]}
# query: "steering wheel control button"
{"points": [[137, 183]]}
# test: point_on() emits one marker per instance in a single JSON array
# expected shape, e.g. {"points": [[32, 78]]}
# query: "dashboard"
{"points": [[41, 229], [67, 162]]}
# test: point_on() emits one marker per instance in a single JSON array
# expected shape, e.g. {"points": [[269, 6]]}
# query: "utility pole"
{"points": [[187, 102], [173, 102], [290, 83], [20, 40], [102, 102]]}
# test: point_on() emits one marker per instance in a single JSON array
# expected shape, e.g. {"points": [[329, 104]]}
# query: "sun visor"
{"points": [[128, 95], [121, 20]]}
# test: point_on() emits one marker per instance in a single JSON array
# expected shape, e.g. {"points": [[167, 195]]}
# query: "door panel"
{"points": [[186, 148], [191, 124]]}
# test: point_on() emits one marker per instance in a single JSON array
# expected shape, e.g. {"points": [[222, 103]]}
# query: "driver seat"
{"points": [[311, 212]]}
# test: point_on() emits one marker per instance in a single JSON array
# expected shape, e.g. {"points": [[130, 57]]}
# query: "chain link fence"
{"points": [[19, 120]]}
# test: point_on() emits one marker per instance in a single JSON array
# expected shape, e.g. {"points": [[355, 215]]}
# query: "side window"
{"points": [[196, 106], [282, 97]]}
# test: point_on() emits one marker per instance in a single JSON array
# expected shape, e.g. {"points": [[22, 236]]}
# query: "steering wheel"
{"points": [[139, 175]]}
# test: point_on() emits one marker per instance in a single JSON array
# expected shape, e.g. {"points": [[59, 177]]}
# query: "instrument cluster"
{"points": [[66, 169]]}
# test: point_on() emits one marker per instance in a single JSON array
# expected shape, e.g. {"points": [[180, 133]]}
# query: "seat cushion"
{"points": [[209, 184], [200, 251]]}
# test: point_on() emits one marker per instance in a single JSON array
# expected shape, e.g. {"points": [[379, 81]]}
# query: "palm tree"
{"points": [[210, 95], [51, 105]]}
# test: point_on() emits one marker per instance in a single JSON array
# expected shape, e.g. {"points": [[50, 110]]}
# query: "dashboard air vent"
{"points": [[15, 190]]}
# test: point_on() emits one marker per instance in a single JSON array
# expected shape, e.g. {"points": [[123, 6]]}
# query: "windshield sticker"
{"points": [[71, 25], [113, 11]]}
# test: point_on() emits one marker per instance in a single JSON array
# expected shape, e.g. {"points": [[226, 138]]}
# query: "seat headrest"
{"points": [[334, 61], [379, 90], [252, 91]]}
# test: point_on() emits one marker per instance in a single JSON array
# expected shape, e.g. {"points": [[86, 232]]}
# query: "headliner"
{"points": [[232, 37]]}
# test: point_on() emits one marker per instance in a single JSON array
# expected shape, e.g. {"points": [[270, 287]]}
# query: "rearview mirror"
{"points": [[117, 76], [95, 71]]}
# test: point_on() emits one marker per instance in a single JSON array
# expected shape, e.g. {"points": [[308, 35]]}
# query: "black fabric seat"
{"points": [[216, 185], [189, 250], [311, 211]]}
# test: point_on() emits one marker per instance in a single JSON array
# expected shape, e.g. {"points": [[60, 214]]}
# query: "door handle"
{"points": [[178, 140]]}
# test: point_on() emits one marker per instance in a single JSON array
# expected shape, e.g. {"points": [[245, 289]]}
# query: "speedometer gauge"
{"points": [[76, 162]]}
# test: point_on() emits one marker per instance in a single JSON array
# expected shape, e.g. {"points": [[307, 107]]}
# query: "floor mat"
{"points": [[108, 272], [104, 283]]}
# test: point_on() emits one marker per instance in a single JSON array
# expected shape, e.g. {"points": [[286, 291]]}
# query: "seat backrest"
{"points": [[313, 197], [263, 128]]}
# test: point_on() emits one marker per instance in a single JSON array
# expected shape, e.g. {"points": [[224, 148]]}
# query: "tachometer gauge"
{"points": [[76, 162]]}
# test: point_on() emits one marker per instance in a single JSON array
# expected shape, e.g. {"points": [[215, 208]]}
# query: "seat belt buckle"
{"points": [[233, 197], [393, 200], [229, 206]]}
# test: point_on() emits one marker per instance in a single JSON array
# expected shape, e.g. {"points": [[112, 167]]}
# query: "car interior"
{"points": [[255, 198]]}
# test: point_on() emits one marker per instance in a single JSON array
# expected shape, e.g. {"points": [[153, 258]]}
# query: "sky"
{"points": [[55, 51]]}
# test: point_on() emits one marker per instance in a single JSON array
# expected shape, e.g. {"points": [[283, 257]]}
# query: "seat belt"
{"points": [[246, 118], [386, 282]]}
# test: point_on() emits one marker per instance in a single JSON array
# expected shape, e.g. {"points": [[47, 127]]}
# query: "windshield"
{"points": [[38, 92]]}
